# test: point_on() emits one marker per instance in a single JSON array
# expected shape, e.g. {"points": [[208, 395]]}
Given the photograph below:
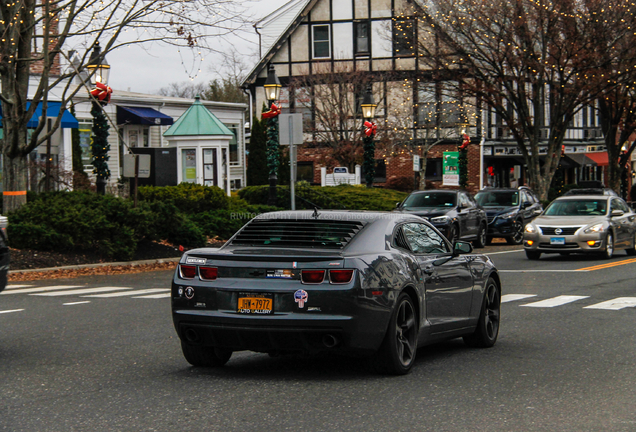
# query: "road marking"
{"points": [[10, 287], [156, 296], [609, 265], [40, 289], [615, 304], [514, 297], [556, 301], [81, 291], [538, 271], [75, 303], [129, 293], [503, 252], [12, 310]]}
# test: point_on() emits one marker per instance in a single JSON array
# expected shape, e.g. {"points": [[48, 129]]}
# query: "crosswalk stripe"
{"points": [[155, 296], [129, 293], [615, 304], [10, 287], [556, 301], [76, 303], [12, 310], [80, 291], [39, 289], [514, 297]]}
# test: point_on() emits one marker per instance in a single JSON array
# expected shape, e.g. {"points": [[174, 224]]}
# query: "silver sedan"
{"points": [[582, 224]]}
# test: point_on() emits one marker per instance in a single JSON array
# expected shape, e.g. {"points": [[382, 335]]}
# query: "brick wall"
{"points": [[397, 166]]}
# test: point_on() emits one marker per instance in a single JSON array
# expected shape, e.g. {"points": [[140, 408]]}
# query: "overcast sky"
{"points": [[148, 70]]}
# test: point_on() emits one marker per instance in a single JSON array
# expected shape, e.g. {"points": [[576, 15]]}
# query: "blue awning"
{"points": [[142, 116], [53, 108]]}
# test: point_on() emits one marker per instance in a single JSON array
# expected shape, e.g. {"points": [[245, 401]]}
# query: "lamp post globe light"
{"points": [[272, 88], [368, 106], [99, 71]]}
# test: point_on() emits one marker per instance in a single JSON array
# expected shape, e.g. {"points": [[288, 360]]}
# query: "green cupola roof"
{"points": [[197, 120]]}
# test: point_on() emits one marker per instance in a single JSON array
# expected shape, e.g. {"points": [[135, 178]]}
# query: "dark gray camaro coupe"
{"points": [[370, 283]]}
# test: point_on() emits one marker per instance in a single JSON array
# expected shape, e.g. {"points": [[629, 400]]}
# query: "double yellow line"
{"points": [[608, 265]]}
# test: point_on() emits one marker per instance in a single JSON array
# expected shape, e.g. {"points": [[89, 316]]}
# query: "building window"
{"points": [[404, 37], [433, 169], [189, 165], [209, 167], [234, 155], [305, 171], [438, 104], [322, 42], [361, 38]]}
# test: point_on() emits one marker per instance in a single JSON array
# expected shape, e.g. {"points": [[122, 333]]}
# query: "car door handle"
{"points": [[429, 270]]}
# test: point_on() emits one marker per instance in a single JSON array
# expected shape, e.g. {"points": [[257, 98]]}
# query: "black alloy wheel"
{"points": [[481, 237], [487, 330], [533, 255], [632, 250], [517, 233], [397, 353], [204, 356]]}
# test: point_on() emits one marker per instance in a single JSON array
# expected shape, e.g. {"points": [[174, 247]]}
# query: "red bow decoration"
{"points": [[371, 128], [465, 142], [273, 112], [102, 92]]}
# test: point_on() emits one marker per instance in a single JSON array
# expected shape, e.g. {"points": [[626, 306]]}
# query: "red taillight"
{"points": [[188, 271], [208, 273], [340, 276], [312, 276]]}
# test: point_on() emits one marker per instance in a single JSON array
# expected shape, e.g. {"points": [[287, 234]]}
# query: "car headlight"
{"points": [[508, 215], [596, 228], [440, 219], [531, 229]]}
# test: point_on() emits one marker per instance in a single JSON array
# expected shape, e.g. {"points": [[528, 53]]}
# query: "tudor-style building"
{"points": [[311, 41]]}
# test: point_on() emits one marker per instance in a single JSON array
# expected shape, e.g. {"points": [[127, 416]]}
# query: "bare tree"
{"points": [[183, 89], [533, 64], [35, 36]]}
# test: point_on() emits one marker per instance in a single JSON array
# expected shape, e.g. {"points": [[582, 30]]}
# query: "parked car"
{"points": [[508, 211], [597, 224], [591, 191], [454, 213], [4, 253], [378, 284]]}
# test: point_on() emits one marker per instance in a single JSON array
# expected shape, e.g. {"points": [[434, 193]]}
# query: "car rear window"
{"points": [[332, 234]]}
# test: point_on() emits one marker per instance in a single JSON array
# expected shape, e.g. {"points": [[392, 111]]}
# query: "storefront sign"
{"points": [[451, 169]]}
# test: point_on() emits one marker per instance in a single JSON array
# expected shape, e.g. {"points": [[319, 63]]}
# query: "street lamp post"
{"points": [[99, 71], [368, 106], [272, 91], [462, 160]]}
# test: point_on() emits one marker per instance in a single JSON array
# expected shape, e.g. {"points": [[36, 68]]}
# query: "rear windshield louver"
{"points": [[298, 233]]}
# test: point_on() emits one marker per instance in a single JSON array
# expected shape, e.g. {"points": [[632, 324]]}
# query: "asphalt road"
{"points": [[74, 357]]}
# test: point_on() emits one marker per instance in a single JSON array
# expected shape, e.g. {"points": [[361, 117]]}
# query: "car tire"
{"points": [[632, 250], [481, 240], [533, 255], [205, 356], [452, 233], [609, 246], [517, 236], [396, 355], [487, 330], [489, 241]]}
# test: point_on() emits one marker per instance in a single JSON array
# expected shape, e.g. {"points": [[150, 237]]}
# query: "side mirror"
{"points": [[397, 205], [617, 213], [461, 247], [525, 204]]}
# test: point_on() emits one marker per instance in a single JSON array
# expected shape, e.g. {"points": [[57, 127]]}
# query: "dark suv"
{"points": [[508, 211], [454, 213]]}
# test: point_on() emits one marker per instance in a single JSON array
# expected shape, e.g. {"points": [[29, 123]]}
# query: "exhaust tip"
{"points": [[330, 340], [191, 335]]}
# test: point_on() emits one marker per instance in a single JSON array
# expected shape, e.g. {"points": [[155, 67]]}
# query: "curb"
{"points": [[97, 265]]}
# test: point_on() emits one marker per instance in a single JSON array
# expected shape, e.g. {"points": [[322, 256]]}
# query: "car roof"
{"points": [[436, 190], [578, 197], [591, 191]]}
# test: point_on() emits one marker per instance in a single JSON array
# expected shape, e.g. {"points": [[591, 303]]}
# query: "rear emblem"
{"points": [[301, 297], [189, 293], [558, 231]]}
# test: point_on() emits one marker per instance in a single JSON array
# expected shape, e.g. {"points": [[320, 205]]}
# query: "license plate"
{"points": [[557, 241], [255, 304]]}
